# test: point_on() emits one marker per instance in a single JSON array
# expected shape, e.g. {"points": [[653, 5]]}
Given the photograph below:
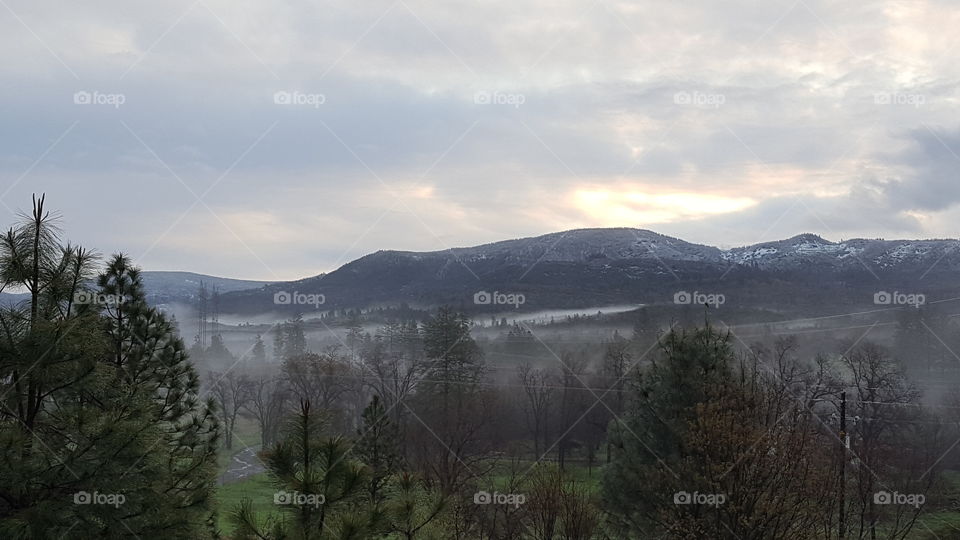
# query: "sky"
{"points": [[277, 140]]}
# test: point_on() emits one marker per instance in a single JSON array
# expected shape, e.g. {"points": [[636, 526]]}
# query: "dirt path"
{"points": [[244, 464]]}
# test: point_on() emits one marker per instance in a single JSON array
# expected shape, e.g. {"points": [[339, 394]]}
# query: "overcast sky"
{"points": [[275, 140]]}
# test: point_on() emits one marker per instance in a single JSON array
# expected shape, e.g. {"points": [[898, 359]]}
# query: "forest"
{"points": [[416, 429]]}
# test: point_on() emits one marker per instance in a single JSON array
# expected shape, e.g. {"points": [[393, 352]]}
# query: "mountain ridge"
{"points": [[584, 266]]}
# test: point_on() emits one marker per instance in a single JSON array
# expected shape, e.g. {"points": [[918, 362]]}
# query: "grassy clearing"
{"points": [[589, 476], [258, 488]]}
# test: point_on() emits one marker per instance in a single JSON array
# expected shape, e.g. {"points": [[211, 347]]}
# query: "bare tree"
{"points": [[538, 393], [392, 365], [230, 391], [573, 404], [323, 380], [267, 403], [894, 446]]}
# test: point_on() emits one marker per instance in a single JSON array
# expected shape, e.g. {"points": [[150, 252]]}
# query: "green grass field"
{"points": [[258, 488]]}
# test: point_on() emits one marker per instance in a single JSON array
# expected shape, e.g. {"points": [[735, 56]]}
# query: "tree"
{"points": [[320, 486], [572, 405], [294, 338], [231, 392], [413, 508], [323, 380], [538, 392], [267, 403], [99, 400], [895, 445], [393, 363], [259, 352], [377, 446], [662, 402], [217, 354], [451, 406], [724, 447]]}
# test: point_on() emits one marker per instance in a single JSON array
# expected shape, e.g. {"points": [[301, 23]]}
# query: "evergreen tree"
{"points": [[661, 407], [413, 508], [289, 340], [321, 488], [99, 401], [452, 402], [259, 352], [378, 446]]}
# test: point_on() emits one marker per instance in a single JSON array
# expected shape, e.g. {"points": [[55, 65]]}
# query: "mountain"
{"points": [[590, 267], [810, 249], [169, 287]]}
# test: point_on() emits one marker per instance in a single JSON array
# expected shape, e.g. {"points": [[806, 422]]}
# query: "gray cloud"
{"points": [[849, 109]]}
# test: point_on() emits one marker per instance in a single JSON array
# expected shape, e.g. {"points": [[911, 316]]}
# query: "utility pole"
{"points": [[842, 526]]}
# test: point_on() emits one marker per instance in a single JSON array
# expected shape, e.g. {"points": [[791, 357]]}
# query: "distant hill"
{"points": [[168, 287], [589, 267]]}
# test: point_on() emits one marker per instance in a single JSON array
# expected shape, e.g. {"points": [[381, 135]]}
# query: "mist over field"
{"points": [[409, 270]]}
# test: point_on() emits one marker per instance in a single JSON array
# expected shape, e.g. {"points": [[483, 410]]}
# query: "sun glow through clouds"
{"points": [[617, 207]]}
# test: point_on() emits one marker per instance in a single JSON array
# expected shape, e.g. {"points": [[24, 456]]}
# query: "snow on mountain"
{"points": [[589, 245], [807, 249], [580, 266]]}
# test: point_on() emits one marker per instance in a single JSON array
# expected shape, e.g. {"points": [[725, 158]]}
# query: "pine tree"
{"points": [[259, 352], [378, 446], [99, 401], [662, 403], [413, 507], [451, 402], [321, 488]]}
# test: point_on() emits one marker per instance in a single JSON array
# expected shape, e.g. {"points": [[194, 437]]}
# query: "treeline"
{"points": [[681, 433]]}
